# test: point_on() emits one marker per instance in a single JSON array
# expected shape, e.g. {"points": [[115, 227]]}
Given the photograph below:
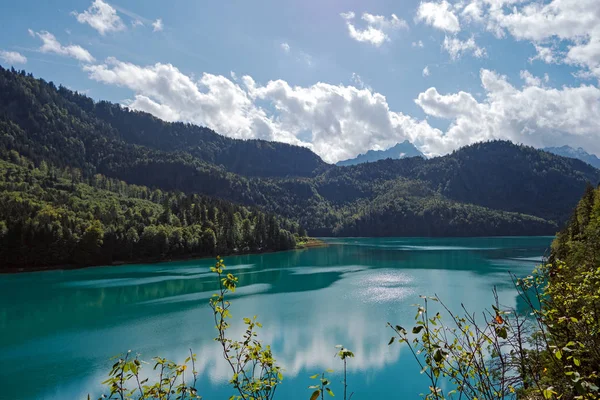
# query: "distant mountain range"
{"points": [[401, 150], [579, 153]]}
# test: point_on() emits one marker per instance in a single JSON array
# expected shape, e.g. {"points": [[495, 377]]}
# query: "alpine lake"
{"points": [[59, 329]]}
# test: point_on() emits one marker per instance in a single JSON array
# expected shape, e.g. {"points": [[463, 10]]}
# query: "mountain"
{"points": [[401, 150], [79, 131], [579, 153], [493, 188]]}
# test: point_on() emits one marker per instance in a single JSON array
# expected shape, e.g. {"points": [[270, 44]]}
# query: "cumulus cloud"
{"points": [[285, 47], [157, 25], [457, 48], [343, 121], [535, 115], [377, 30], [12, 57], [102, 17], [530, 79], [166, 92], [439, 15], [545, 54], [339, 122], [573, 23], [51, 45], [473, 12]]}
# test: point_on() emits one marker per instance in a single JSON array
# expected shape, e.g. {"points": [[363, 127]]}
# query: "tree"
{"points": [[208, 241]]}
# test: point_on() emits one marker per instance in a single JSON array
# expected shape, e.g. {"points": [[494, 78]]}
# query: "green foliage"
{"points": [[550, 352], [475, 356], [51, 216], [125, 380], [344, 354], [322, 386], [255, 373]]}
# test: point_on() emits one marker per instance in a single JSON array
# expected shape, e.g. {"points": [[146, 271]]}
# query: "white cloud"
{"points": [[348, 15], [473, 12], [545, 54], [344, 121], [12, 57], [136, 22], [534, 115], [102, 17], [357, 80], [456, 47], [439, 15], [157, 25], [51, 45], [426, 71], [285, 47], [377, 30], [418, 44], [530, 79], [570, 24]]}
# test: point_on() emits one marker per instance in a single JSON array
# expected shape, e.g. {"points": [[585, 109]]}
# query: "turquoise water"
{"points": [[58, 329]]}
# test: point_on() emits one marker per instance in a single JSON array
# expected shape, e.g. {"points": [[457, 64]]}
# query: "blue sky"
{"points": [[340, 77]]}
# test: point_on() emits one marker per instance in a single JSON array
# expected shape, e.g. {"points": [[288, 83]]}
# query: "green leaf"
{"points": [[315, 376], [437, 356], [501, 332], [558, 354], [392, 340], [417, 329], [548, 392], [315, 395], [330, 392]]}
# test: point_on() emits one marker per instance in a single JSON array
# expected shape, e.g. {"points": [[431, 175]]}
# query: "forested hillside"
{"points": [[51, 216], [71, 128], [494, 188], [498, 175]]}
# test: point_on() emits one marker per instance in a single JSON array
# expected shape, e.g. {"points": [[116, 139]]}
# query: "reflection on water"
{"points": [[61, 327]]}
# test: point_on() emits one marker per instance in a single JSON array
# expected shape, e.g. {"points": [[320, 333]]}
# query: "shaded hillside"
{"points": [[71, 128], [498, 175]]}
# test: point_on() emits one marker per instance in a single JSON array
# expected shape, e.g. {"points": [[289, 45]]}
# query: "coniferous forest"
{"points": [[53, 216], [86, 182]]}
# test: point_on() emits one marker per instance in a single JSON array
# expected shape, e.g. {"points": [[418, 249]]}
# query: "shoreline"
{"points": [[310, 243]]}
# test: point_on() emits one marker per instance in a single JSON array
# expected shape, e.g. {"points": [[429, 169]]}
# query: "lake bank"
{"points": [[305, 244]]}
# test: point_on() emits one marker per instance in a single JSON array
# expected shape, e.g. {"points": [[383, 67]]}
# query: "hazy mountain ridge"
{"points": [[579, 153], [493, 188], [401, 150]]}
